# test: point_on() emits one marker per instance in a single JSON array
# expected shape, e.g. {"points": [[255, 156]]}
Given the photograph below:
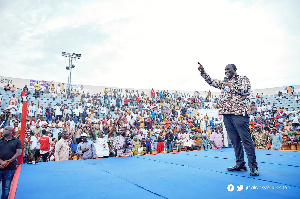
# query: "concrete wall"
{"points": [[20, 83], [275, 90]]}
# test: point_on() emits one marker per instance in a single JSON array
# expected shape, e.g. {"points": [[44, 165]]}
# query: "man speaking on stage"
{"points": [[234, 104]]}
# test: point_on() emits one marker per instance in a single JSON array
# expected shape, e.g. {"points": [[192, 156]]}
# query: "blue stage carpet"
{"points": [[196, 174]]}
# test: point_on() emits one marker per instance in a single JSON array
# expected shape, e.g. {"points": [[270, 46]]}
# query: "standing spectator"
{"points": [[58, 111], [45, 145], [84, 115], [0, 99], [169, 141], [13, 100], [49, 113], [20, 111], [11, 149], [37, 89], [24, 93], [295, 120], [276, 140], [47, 91], [33, 147], [160, 144], [52, 89], [126, 100], [138, 149], [37, 129], [206, 119], [123, 144], [86, 148], [212, 123], [148, 144], [62, 148], [206, 144], [40, 112], [13, 88], [31, 110], [216, 140], [58, 89], [101, 143], [198, 141]]}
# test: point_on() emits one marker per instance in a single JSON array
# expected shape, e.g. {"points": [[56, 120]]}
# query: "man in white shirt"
{"points": [[101, 145], [31, 110], [58, 111], [55, 130], [295, 120], [67, 112], [103, 111], [58, 89], [76, 111], [40, 112], [33, 146], [80, 108], [72, 123]]}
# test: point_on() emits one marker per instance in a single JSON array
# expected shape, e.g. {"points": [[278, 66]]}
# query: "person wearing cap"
{"points": [[86, 148], [10, 150], [234, 103], [37, 129], [62, 148]]}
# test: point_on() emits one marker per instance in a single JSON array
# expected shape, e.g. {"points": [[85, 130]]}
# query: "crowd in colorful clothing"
{"points": [[116, 124]]}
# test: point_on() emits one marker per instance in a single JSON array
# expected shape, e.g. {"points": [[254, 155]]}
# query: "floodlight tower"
{"points": [[72, 56]]}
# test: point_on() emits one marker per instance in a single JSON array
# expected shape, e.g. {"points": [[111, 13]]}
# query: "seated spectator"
{"points": [[13, 88], [7, 87]]}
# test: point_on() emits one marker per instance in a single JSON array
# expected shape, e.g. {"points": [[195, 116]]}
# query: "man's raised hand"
{"points": [[200, 67]]}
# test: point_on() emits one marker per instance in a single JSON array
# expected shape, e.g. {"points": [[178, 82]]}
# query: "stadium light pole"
{"points": [[72, 56]]}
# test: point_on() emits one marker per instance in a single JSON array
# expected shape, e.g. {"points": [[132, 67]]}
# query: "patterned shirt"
{"points": [[89, 154], [122, 151], [234, 101]]}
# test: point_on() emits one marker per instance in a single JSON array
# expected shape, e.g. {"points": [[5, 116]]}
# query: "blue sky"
{"points": [[151, 43]]}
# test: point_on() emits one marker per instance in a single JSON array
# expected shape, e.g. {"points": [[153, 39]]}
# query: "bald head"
{"points": [[230, 70], [8, 130]]}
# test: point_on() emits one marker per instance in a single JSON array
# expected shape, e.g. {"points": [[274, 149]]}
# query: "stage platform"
{"points": [[195, 174]]}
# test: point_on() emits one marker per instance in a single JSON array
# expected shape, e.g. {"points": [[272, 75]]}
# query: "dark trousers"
{"points": [[6, 177], [237, 127], [148, 149], [45, 156], [36, 154], [169, 147]]}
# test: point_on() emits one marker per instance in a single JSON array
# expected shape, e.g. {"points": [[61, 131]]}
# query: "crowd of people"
{"points": [[274, 127], [114, 124]]}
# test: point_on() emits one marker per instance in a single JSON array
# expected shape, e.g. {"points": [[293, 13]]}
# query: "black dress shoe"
{"points": [[237, 168], [254, 172]]}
